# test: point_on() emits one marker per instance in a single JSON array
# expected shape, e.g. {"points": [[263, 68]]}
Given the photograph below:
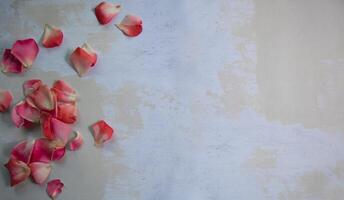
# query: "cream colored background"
{"points": [[218, 100]]}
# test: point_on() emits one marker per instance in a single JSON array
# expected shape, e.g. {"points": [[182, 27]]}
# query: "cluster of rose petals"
{"points": [[55, 109], [20, 57]]}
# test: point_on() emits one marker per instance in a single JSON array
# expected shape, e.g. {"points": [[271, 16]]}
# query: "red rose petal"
{"points": [[102, 132], [83, 59], [54, 188], [64, 92], [22, 151], [30, 86], [10, 64], [67, 112], [131, 25], [40, 171], [43, 98], [5, 100], [105, 12], [28, 113], [52, 36], [18, 170], [25, 51], [76, 142]]}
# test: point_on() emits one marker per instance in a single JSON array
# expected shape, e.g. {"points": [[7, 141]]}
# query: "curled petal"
{"points": [[102, 132], [5, 100], [22, 151], [76, 142], [28, 113], [83, 59], [45, 150], [40, 171], [17, 119], [43, 98], [18, 170], [67, 112], [25, 51], [52, 36], [105, 12], [58, 153], [54, 188], [10, 64], [131, 25], [64, 92], [30, 86]]}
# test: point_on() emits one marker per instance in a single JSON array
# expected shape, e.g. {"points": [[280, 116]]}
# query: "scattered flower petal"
{"points": [[18, 170], [64, 92], [43, 98], [83, 59], [102, 132], [52, 36], [17, 119], [40, 171], [54, 188], [105, 12], [10, 64], [22, 151], [131, 25], [45, 150], [76, 142], [30, 86], [28, 113], [5, 100], [25, 51], [67, 112], [54, 129]]}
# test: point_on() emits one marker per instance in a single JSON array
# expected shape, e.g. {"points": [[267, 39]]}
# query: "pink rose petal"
{"points": [[105, 12], [76, 142], [83, 59], [52, 36], [10, 64], [18, 170], [64, 92], [25, 51], [40, 171], [30, 86], [131, 25], [54, 188], [5, 100], [102, 132]]}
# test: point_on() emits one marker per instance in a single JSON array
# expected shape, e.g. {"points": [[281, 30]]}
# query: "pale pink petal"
{"points": [[11, 64], [28, 113], [5, 100], [83, 59], [22, 151], [64, 92], [67, 112], [76, 142], [17, 119], [30, 86], [105, 12], [25, 51], [52, 36], [102, 132], [54, 188], [131, 25], [43, 98], [18, 170], [40, 171]]}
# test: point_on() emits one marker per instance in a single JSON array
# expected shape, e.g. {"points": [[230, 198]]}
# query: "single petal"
{"points": [[54, 129], [58, 153], [102, 132], [18, 120], [25, 51], [105, 12], [10, 64], [67, 112], [52, 36], [5, 100], [22, 151], [40, 171], [30, 86], [131, 25], [45, 150], [46, 126], [18, 170], [54, 188], [28, 113], [76, 142], [64, 92], [43, 98], [83, 59]]}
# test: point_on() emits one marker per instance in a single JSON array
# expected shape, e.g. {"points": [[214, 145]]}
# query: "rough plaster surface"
{"points": [[215, 100]]}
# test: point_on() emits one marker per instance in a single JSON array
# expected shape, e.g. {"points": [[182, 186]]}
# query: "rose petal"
{"points": [[18, 170], [25, 51], [105, 12], [5, 100], [30, 86], [64, 92], [10, 64], [76, 142], [28, 113], [45, 150], [43, 98], [54, 188], [131, 25], [18, 120], [67, 112], [102, 132], [22, 151], [83, 59], [52, 36], [40, 171], [54, 129]]}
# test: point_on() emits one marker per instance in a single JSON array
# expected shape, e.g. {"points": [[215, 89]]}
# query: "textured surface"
{"points": [[232, 99]]}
